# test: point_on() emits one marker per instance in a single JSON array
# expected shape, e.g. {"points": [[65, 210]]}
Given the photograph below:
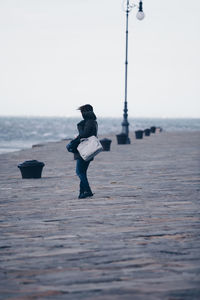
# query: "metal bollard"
{"points": [[106, 144], [31, 169]]}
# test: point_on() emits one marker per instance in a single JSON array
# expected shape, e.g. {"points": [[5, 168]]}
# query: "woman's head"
{"points": [[85, 108], [87, 112]]}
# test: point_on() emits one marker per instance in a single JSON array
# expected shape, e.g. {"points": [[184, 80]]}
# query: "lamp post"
{"points": [[140, 16]]}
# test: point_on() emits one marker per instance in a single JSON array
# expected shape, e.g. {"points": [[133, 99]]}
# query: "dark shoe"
{"points": [[88, 194], [81, 196], [85, 195]]}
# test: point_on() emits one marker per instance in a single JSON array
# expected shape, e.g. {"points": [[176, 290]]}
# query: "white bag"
{"points": [[89, 147]]}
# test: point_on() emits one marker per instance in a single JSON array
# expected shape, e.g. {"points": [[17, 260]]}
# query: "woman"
{"points": [[86, 128]]}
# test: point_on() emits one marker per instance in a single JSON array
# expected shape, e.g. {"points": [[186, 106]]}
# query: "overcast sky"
{"points": [[56, 55]]}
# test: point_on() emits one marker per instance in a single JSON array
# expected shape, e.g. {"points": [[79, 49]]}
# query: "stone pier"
{"points": [[138, 237]]}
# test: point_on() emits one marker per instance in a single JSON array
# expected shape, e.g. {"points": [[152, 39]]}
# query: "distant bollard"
{"points": [[31, 169], [147, 132], [153, 129], [159, 129], [121, 138], [139, 134], [105, 144]]}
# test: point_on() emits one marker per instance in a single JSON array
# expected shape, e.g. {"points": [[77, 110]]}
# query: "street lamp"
{"points": [[129, 5]]}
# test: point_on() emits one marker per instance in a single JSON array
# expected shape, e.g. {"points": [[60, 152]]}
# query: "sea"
{"points": [[17, 133]]}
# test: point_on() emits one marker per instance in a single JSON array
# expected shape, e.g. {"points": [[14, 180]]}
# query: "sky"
{"points": [[56, 55]]}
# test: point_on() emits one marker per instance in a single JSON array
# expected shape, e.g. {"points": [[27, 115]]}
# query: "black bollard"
{"points": [[121, 138], [106, 144], [147, 132], [139, 134], [153, 129], [31, 169]]}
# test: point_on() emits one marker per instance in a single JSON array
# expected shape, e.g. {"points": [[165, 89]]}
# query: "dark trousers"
{"points": [[81, 171]]}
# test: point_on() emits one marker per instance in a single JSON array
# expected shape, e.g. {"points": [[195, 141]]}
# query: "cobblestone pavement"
{"points": [[137, 238]]}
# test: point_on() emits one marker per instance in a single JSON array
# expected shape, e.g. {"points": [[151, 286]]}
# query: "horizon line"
{"points": [[99, 117]]}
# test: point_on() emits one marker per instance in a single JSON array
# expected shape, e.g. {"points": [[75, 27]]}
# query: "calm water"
{"points": [[20, 132]]}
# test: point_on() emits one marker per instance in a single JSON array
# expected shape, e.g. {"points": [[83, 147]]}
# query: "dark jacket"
{"points": [[87, 127]]}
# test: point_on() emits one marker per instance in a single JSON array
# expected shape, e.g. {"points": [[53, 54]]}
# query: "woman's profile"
{"points": [[86, 128]]}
